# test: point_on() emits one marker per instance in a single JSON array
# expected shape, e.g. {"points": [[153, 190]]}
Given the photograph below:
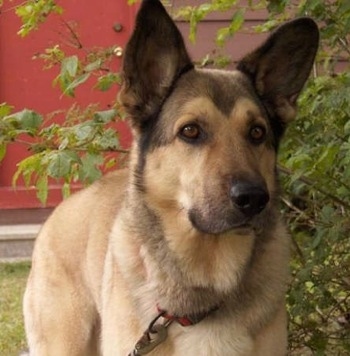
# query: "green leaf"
{"points": [[105, 82], [66, 190], [2, 151], [237, 20], [105, 116], [28, 119], [327, 157], [5, 109], [84, 131], [28, 166], [89, 170], [108, 141], [276, 6], [112, 162], [235, 24], [64, 143], [70, 65], [93, 66], [42, 188], [203, 10], [344, 6], [347, 128], [60, 163], [76, 82]]}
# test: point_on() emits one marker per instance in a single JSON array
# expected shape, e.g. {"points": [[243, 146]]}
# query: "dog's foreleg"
{"points": [[59, 319]]}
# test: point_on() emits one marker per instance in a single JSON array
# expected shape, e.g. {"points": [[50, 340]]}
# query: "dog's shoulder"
{"points": [[108, 190], [97, 204], [82, 222], [112, 183]]}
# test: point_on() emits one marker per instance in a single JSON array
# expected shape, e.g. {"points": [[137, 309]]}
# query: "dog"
{"points": [[184, 252]]}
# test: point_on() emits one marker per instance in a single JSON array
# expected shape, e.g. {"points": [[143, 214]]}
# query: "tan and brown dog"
{"points": [[184, 253]]}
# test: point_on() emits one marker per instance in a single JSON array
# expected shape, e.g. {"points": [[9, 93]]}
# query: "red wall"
{"points": [[23, 83]]}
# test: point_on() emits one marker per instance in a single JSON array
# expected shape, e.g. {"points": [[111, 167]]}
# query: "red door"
{"points": [[24, 83]]}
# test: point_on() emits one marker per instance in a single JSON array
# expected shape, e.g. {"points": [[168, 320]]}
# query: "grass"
{"points": [[13, 278]]}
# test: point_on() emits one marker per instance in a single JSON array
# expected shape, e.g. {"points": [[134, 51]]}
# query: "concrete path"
{"points": [[17, 241]]}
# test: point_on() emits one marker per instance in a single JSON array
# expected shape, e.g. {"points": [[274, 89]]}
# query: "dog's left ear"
{"points": [[154, 57], [280, 67]]}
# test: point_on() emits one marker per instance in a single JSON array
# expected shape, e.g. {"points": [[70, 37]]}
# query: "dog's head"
{"points": [[206, 140]]}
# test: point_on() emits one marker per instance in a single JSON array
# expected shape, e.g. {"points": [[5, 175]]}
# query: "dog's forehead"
{"points": [[223, 88]]}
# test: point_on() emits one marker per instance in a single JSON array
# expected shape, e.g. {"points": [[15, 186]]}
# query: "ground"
{"points": [[13, 278]]}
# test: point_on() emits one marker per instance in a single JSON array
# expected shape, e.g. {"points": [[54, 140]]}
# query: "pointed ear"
{"points": [[280, 67], [154, 57]]}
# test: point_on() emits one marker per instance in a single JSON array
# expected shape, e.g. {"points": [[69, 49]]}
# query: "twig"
{"points": [[76, 39], [310, 182]]}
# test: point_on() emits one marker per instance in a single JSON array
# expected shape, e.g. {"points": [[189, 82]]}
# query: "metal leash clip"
{"points": [[152, 337]]}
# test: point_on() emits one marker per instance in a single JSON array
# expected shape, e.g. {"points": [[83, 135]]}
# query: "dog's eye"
{"points": [[190, 132], [257, 134]]}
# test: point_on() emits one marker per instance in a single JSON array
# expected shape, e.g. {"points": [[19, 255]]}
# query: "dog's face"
{"points": [[212, 152], [206, 140]]}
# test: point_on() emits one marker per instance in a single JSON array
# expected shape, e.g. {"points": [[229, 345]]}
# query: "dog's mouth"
{"points": [[243, 209], [230, 221]]}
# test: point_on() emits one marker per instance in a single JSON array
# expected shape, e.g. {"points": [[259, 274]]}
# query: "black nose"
{"points": [[249, 198]]}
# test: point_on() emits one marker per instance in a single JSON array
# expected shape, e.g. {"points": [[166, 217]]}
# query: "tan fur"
{"points": [[71, 248], [169, 231]]}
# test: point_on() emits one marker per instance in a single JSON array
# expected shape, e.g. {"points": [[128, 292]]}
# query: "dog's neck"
{"points": [[175, 262], [177, 277]]}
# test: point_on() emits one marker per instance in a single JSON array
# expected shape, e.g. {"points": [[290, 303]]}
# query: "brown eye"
{"points": [[257, 134], [190, 132]]}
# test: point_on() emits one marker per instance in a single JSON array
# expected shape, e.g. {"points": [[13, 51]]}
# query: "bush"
{"points": [[314, 171]]}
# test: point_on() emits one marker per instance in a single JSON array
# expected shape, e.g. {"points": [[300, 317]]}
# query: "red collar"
{"points": [[157, 332], [186, 320]]}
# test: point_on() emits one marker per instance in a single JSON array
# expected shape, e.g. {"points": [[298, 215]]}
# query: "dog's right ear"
{"points": [[154, 57]]}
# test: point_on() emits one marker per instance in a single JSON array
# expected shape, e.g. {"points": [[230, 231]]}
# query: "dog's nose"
{"points": [[249, 198]]}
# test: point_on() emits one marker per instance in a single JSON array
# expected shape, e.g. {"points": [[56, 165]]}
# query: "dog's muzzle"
{"points": [[243, 207], [249, 198]]}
